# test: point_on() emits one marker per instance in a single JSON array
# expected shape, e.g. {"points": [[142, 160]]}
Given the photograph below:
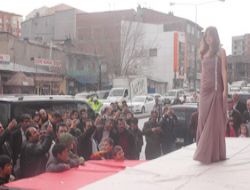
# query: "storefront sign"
{"points": [[44, 62]]}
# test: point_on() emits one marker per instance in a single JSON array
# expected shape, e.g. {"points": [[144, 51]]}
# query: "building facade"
{"points": [[11, 23], [241, 45], [100, 34], [58, 26], [159, 55], [54, 69], [238, 68]]}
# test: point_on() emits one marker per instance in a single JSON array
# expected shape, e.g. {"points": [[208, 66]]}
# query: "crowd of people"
{"points": [[238, 114], [238, 118], [56, 142]]}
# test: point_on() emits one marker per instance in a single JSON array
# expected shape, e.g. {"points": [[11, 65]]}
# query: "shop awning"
{"points": [[20, 79]]}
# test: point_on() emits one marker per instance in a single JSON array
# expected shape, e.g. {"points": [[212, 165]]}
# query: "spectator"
{"points": [[138, 137], [230, 132], [126, 140], [246, 114], [55, 120], [83, 118], [243, 131], [5, 147], [105, 153], [158, 108], [167, 125], [69, 141], [5, 169], [237, 104], [118, 154], [36, 119], [152, 130], [74, 115], [43, 117], [17, 139], [108, 130], [61, 161], [129, 117], [193, 126], [235, 115], [61, 129], [33, 154], [85, 142]]}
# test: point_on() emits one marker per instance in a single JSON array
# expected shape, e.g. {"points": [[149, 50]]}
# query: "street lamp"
{"points": [[195, 32]]}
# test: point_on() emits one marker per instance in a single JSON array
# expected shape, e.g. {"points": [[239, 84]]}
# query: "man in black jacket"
{"points": [[17, 139], [152, 130], [167, 124], [34, 152]]}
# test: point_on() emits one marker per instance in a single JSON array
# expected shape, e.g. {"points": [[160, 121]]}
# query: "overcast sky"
{"points": [[230, 17]]}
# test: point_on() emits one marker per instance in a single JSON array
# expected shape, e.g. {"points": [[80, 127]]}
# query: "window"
{"points": [[153, 52]]}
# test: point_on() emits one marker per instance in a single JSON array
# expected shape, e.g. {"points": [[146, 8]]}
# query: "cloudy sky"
{"points": [[230, 17]]}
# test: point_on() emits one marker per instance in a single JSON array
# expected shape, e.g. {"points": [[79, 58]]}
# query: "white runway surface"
{"points": [[178, 170]]}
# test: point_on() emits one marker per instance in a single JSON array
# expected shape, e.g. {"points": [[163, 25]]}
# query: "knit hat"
{"points": [[66, 139]]}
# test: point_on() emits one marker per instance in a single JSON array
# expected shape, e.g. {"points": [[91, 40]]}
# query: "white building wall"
{"points": [[160, 67]]}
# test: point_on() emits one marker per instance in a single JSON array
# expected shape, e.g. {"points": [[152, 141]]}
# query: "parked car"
{"points": [[171, 95], [159, 96], [141, 104], [14, 106], [183, 113], [102, 94]]}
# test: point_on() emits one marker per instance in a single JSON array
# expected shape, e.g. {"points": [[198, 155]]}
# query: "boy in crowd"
{"points": [[61, 161], [106, 148], [5, 169], [118, 154]]}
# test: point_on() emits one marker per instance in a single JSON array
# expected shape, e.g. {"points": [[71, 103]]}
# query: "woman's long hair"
{"points": [[204, 47]]}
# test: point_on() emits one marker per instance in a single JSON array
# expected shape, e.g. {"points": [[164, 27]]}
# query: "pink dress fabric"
{"points": [[212, 118]]}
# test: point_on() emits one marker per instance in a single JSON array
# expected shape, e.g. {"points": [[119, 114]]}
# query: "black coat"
{"points": [[84, 143], [16, 144], [167, 125], [246, 116], [153, 143], [113, 135], [241, 107], [237, 118], [33, 156]]}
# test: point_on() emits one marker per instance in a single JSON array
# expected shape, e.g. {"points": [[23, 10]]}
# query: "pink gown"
{"points": [[210, 137]]}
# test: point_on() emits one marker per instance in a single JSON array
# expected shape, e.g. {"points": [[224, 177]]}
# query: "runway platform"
{"points": [[175, 171], [179, 171]]}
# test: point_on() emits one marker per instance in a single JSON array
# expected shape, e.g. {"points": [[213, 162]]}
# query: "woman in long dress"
{"points": [[210, 137]]}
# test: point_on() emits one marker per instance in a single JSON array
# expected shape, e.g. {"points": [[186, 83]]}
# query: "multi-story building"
{"points": [[11, 23], [239, 61], [58, 26], [99, 33], [241, 45], [54, 69], [160, 55], [238, 68]]}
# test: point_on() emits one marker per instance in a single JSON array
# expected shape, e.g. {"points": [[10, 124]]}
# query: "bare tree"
{"points": [[134, 47]]}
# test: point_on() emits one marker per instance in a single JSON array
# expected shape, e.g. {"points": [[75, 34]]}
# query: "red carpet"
{"points": [[76, 177]]}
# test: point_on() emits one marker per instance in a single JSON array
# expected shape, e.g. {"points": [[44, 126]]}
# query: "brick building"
{"points": [[100, 33], [54, 69], [11, 23]]}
